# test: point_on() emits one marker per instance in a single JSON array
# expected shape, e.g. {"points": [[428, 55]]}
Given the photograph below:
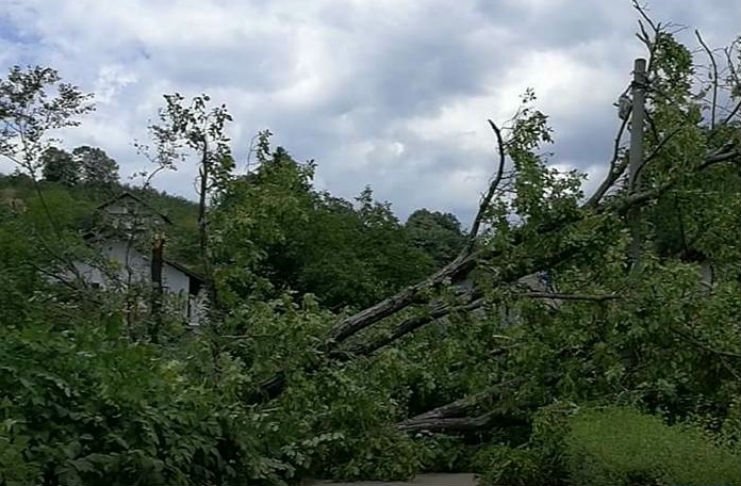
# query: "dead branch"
{"points": [[493, 185], [351, 325], [714, 64], [453, 416], [408, 326], [616, 168], [733, 113], [732, 71], [562, 296], [461, 424]]}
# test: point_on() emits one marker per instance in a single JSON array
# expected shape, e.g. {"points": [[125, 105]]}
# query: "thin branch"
{"points": [[733, 72], [486, 200], [733, 113], [708, 349], [642, 11], [727, 152], [657, 149], [406, 327], [563, 296], [616, 169], [714, 64]]}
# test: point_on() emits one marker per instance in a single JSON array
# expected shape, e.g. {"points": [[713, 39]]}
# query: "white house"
{"points": [[125, 230]]}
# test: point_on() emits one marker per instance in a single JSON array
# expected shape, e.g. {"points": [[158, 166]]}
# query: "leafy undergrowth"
{"points": [[88, 409], [620, 446]]}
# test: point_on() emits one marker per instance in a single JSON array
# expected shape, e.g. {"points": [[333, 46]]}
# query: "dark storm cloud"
{"points": [[380, 92]]}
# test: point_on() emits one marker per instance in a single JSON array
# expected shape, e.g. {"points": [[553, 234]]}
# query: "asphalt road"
{"points": [[421, 480]]}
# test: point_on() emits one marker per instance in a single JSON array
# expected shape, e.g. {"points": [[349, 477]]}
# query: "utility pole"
{"points": [[636, 155], [157, 289]]}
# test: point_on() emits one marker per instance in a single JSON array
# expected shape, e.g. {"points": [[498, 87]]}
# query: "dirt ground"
{"points": [[421, 480]]}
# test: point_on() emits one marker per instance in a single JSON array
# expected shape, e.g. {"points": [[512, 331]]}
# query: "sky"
{"points": [[394, 94]]}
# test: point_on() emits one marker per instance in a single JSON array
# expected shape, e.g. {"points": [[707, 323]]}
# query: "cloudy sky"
{"points": [[391, 93]]}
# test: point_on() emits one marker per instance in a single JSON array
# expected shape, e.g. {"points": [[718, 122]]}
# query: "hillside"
{"points": [[72, 207]]}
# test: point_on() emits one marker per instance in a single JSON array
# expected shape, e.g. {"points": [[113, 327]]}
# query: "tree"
{"points": [[468, 367], [29, 109], [535, 220], [438, 234], [200, 129], [286, 234], [33, 102], [98, 169], [60, 166]]}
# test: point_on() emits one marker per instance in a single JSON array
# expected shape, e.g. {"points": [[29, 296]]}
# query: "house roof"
{"points": [[138, 200], [185, 270]]}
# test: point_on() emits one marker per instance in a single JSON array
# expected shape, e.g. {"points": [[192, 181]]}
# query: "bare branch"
{"points": [[616, 169], [486, 200], [714, 64], [408, 326], [733, 72], [563, 296], [359, 321], [641, 9], [733, 113], [451, 416], [460, 424]]}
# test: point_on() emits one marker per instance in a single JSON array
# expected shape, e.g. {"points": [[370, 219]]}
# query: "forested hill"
{"points": [[72, 206], [346, 253]]}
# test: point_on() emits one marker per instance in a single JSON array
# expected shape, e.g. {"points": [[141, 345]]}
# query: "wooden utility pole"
{"points": [[157, 289], [636, 154]]}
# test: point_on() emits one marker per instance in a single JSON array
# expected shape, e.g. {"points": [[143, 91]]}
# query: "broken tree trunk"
{"points": [[505, 271]]}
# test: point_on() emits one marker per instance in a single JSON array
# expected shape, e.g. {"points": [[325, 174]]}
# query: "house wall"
{"points": [[129, 265]]}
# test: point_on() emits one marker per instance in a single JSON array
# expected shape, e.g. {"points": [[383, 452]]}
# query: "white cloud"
{"points": [[381, 92]]}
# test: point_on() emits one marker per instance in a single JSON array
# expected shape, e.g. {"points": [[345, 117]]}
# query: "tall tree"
{"points": [[292, 237], [438, 234], [97, 168], [194, 128], [60, 166], [33, 102]]}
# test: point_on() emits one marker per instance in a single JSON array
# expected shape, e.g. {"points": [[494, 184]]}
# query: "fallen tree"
{"points": [[516, 234]]}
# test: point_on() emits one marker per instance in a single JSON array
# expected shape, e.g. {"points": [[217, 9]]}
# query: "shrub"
{"points": [[502, 464], [82, 408], [621, 446]]}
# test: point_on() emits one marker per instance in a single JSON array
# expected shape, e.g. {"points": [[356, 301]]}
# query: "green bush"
{"points": [[79, 408], [513, 466], [621, 446]]}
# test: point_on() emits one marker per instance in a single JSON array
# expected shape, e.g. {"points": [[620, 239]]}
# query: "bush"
{"points": [[621, 446], [83, 408], [502, 464]]}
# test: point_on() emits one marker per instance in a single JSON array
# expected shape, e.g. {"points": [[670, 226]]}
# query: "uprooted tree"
{"points": [[536, 219]]}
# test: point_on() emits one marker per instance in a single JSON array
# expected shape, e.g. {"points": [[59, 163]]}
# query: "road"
{"points": [[421, 480]]}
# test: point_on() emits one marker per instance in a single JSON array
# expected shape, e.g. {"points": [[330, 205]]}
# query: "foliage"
{"points": [[502, 464], [490, 360], [272, 228], [29, 110], [89, 408], [438, 234], [60, 166], [620, 446], [97, 168]]}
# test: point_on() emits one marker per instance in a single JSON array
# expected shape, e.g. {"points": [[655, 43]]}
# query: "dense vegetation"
{"points": [[342, 343]]}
